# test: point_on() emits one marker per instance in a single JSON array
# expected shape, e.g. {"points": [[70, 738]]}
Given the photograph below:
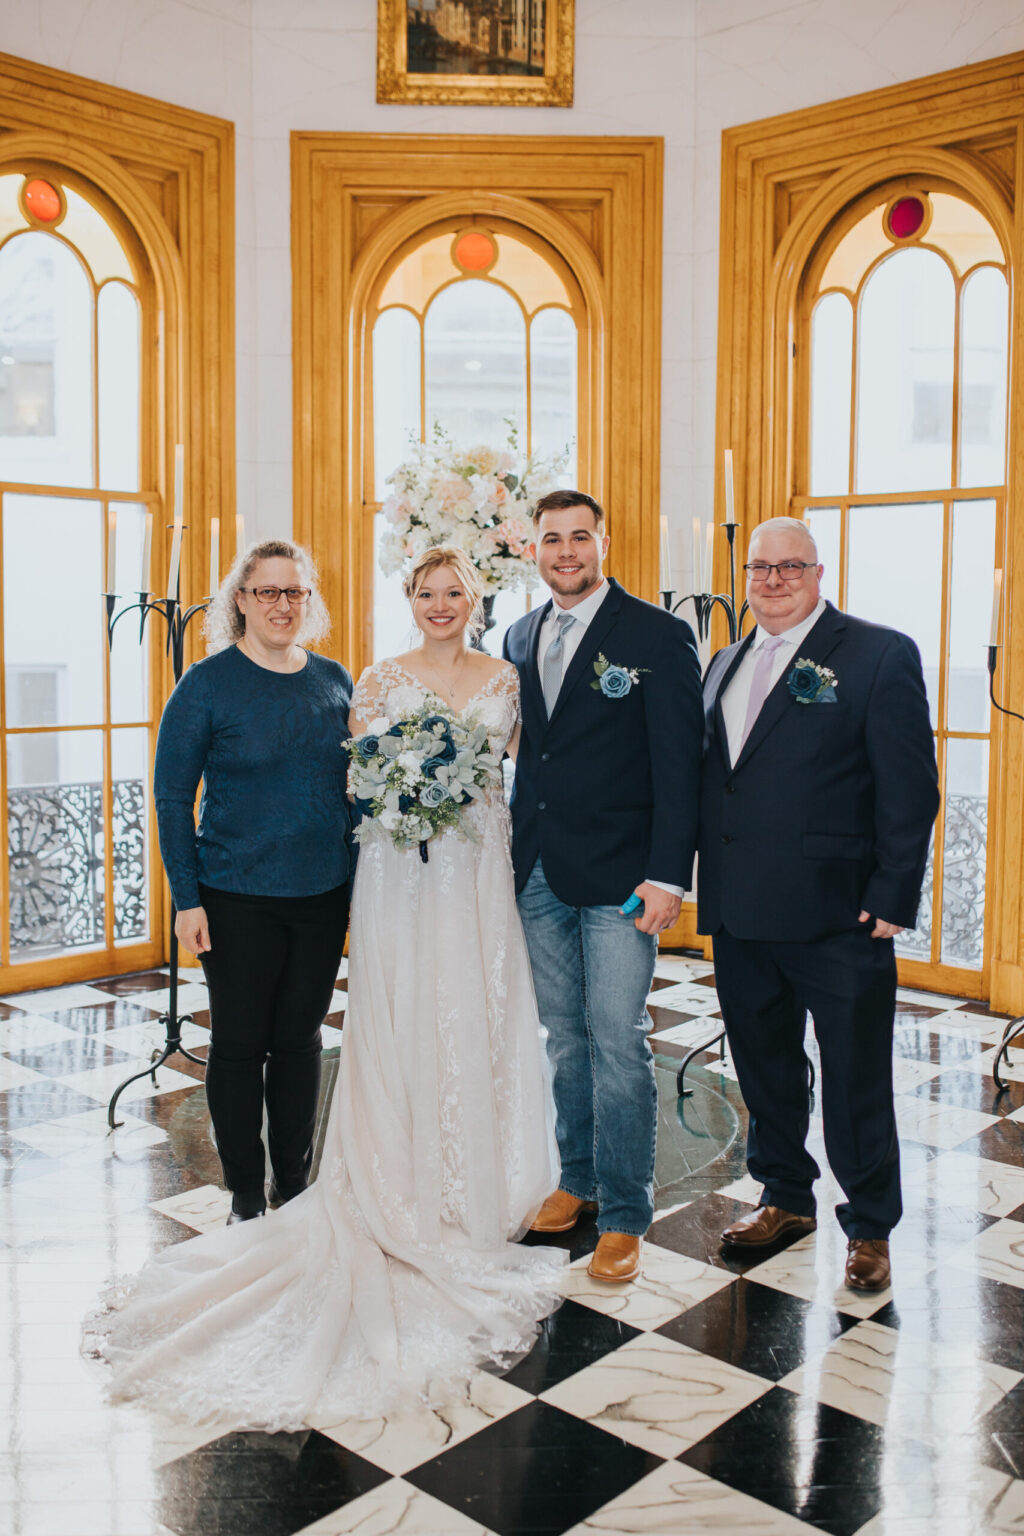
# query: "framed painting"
{"points": [[475, 52]]}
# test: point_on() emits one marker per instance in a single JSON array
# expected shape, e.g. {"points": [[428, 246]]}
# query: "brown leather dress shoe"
{"points": [[560, 1212], [616, 1257], [867, 1264], [765, 1226]]}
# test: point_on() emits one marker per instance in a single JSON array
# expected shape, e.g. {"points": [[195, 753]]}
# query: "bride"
{"points": [[396, 1275]]}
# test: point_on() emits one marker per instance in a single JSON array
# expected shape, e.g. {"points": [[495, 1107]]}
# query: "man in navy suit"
{"points": [[818, 799], [604, 806]]}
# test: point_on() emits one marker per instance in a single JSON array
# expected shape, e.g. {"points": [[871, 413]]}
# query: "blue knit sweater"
{"points": [[274, 819]]}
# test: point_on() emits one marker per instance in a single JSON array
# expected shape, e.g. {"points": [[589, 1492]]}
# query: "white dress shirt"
{"points": [[737, 696], [584, 614]]}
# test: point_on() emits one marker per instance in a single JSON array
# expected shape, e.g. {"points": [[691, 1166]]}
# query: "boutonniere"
{"points": [[615, 682], [810, 683]]}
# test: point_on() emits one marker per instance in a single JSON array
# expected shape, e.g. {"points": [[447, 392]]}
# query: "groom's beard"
{"points": [[573, 586]]}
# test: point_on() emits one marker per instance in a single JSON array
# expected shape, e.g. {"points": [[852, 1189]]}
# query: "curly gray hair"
{"points": [[225, 624]]}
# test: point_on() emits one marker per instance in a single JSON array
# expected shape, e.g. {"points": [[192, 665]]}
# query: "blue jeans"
{"points": [[592, 971]]}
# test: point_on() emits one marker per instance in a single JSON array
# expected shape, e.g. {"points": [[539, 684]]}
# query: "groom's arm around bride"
{"points": [[604, 804]]}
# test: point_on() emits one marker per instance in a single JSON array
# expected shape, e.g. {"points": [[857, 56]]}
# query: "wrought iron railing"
{"points": [[963, 889], [56, 855]]}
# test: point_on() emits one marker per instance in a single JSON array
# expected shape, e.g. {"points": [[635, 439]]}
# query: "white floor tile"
{"points": [[32, 1030], [938, 1125], [101, 1082], [55, 999], [88, 1136], [395, 1507], [910, 1386], [971, 1183], [669, 1283], [677, 1499], [997, 1253], [14, 1075], [657, 1394], [202, 1208], [406, 1440]]}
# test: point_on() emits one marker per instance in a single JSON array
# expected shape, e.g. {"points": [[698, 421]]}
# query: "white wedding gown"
{"points": [[396, 1275]]}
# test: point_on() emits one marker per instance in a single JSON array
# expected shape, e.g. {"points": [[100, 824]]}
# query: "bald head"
{"points": [[791, 525]]}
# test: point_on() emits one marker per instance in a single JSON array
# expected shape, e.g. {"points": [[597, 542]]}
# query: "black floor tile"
{"points": [[1003, 1143], [760, 1330], [538, 1470], [261, 1485], [696, 1230], [1000, 1435], [578, 1241], [570, 1339], [140, 981], [818, 1464]]}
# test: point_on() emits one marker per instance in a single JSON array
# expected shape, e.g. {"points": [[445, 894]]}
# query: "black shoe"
{"points": [[246, 1207], [278, 1195]]}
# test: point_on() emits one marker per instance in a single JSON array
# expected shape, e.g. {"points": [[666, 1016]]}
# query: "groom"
{"points": [[604, 805]]}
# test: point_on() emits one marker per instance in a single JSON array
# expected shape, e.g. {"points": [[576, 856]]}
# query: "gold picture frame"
{"points": [[508, 53]]}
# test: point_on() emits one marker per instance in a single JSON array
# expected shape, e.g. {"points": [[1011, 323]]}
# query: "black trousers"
{"points": [[847, 982], [271, 971]]}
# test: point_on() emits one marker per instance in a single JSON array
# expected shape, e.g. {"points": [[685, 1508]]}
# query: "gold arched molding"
{"points": [[170, 173], [165, 177], [797, 248], [357, 199], [785, 183]]}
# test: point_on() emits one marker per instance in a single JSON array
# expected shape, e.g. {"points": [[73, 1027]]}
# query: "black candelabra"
{"points": [[705, 603], [1014, 1026], [177, 620]]}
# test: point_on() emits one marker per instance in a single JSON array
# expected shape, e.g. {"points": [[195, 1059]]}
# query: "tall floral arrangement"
{"points": [[478, 499]]}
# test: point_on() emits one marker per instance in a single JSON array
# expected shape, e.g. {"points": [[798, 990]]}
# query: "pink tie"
{"points": [[760, 684]]}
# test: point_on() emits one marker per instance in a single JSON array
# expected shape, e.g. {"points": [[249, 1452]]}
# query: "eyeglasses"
{"points": [[274, 594], [789, 570]]}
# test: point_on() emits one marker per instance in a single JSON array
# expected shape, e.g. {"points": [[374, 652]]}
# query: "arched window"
{"points": [[474, 331], [76, 492], [904, 317]]}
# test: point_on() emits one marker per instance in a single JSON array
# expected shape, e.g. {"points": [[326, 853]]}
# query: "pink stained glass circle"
{"points": [[42, 201], [906, 216]]}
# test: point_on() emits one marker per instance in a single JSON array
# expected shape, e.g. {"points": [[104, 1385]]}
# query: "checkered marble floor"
{"points": [[714, 1395]]}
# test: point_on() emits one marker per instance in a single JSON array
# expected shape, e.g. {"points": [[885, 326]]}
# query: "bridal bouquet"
{"points": [[417, 777], [478, 499]]}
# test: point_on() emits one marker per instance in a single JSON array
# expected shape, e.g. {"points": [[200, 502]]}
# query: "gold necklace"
{"points": [[447, 689]]}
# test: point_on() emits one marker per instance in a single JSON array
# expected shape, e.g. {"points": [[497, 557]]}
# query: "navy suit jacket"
{"points": [[606, 791], [829, 808]]}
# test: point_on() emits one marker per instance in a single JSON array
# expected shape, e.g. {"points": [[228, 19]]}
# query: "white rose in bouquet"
{"points": [[478, 499]]}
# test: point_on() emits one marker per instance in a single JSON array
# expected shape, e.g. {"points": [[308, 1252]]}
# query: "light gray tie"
{"points": [[760, 684], [554, 661]]}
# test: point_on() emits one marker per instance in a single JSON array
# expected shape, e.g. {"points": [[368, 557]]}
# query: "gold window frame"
{"points": [[786, 183], [165, 177]]}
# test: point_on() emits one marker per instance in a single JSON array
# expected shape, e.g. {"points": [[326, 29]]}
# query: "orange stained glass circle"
{"points": [[42, 201], [475, 251]]}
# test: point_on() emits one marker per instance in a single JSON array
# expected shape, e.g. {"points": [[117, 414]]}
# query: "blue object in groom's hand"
{"points": [[631, 905]]}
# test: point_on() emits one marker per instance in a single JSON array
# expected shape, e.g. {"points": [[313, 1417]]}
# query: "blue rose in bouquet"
{"points": [[415, 779]]}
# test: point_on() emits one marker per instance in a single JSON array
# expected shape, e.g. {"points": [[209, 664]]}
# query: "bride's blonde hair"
{"points": [[458, 561]]}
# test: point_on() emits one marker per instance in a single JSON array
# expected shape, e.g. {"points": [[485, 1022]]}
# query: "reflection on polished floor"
{"points": [[713, 1395]]}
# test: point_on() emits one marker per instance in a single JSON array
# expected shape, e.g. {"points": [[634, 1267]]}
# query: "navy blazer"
{"points": [[606, 791], [829, 808]]}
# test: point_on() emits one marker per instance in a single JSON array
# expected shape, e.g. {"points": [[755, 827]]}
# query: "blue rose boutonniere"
{"points": [[615, 682], [810, 683]]}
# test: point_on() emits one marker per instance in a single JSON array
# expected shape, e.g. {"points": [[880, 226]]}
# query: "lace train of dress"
{"points": [[394, 1277]]}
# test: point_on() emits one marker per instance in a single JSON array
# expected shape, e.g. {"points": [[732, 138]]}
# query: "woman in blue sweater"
{"points": [[262, 885]]}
